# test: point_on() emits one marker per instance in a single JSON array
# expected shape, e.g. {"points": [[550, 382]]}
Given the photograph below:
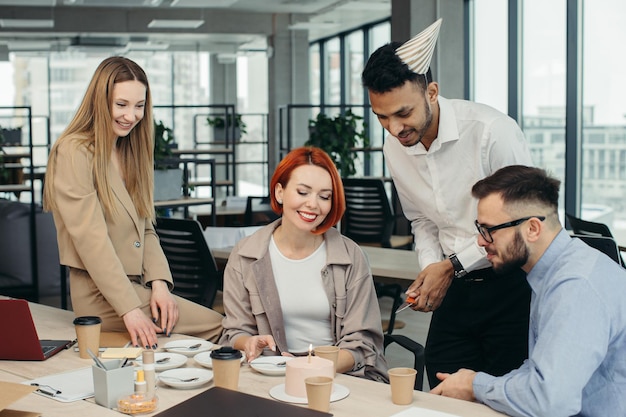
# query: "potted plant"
{"points": [[221, 124], [168, 177], [339, 136]]}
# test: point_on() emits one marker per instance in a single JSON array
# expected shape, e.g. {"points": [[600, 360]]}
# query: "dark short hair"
{"points": [[385, 71], [310, 155], [520, 184]]}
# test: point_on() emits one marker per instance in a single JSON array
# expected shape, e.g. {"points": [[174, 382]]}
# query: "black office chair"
{"points": [[418, 354], [369, 220], [604, 244], [258, 211], [588, 228], [193, 267]]}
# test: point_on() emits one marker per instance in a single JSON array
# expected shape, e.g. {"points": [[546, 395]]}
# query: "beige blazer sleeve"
{"points": [[109, 249]]}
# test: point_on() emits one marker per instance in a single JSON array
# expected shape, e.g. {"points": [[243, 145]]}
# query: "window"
{"points": [[605, 129]]}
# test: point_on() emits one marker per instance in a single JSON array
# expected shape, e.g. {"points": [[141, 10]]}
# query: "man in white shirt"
{"points": [[437, 149]]}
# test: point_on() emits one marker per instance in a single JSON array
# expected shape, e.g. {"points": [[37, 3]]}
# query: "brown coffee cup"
{"points": [[328, 352], [88, 334], [318, 391], [226, 362], [402, 381]]}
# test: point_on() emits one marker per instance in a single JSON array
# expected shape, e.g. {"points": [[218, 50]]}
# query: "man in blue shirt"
{"points": [[577, 332]]}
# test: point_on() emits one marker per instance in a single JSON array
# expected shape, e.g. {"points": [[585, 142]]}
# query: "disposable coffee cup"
{"points": [[88, 334], [226, 363], [318, 390], [402, 381], [328, 352]]}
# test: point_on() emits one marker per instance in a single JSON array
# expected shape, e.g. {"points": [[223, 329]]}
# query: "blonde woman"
{"points": [[99, 187]]}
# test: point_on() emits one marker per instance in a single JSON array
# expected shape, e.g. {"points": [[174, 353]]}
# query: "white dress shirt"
{"points": [[434, 185]]}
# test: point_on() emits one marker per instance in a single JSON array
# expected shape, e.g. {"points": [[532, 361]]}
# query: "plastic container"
{"points": [[138, 403]]}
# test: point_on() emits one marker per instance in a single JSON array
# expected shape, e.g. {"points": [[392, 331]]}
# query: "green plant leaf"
{"points": [[338, 137], [220, 122]]}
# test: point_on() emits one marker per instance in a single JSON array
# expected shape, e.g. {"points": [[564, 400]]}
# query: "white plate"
{"points": [[181, 346], [339, 393], [204, 376], [266, 365], [205, 360], [176, 361]]}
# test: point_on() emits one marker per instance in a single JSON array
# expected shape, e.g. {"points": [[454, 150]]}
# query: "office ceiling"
{"points": [[220, 26]]}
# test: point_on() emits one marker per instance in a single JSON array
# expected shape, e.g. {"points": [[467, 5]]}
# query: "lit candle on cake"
{"points": [[298, 369]]}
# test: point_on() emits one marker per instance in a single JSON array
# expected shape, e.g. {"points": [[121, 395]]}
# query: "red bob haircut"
{"points": [[309, 155]]}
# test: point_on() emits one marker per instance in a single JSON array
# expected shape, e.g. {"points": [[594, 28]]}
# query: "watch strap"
{"points": [[459, 271]]}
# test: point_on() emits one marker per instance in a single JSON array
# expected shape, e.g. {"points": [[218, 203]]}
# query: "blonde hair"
{"points": [[92, 127]]}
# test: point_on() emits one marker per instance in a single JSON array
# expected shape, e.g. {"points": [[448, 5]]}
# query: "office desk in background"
{"points": [[366, 398], [393, 264]]}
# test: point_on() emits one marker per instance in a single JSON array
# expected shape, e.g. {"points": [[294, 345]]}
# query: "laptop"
{"points": [[221, 401], [19, 336]]}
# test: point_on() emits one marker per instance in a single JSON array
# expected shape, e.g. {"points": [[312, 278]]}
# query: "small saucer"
{"points": [[176, 360], [204, 376], [181, 346], [278, 392], [267, 365]]}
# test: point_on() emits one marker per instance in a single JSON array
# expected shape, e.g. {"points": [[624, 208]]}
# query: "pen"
{"points": [[71, 343], [98, 362]]}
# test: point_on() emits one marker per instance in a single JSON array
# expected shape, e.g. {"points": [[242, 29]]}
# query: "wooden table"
{"points": [[367, 398], [394, 264]]}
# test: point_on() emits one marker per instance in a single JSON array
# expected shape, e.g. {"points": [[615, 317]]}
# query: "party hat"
{"points": [[417, 52]]}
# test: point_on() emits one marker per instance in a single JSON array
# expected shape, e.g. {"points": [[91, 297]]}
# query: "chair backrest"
{"points": [[193, 267], [582, 227], [368, 217], [418, 354], [604, 244], [585, 227], [258, 211]]}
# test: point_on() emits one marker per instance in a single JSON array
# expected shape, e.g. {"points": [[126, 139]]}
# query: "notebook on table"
{"points": [[220, 402], [19, 335]]}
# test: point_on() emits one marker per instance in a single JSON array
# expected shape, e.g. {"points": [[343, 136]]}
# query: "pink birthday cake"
{"points": [[298, 369]]}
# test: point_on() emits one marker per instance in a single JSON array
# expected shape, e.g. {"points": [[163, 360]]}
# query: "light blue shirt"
{"points": [[577, 339]]}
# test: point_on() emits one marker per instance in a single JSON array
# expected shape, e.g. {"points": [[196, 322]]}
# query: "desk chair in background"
{"points": [[415, 348], [194, 271], [604, 244], [592, 229], [369, 220], [258, 211]]}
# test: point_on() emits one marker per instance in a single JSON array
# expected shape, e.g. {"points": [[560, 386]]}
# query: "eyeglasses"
{"points": [[485, 231]]}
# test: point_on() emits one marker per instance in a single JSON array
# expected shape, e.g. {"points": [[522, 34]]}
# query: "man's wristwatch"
{"points": [[459, 271]]}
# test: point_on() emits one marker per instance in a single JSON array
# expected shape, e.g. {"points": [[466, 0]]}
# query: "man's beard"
{"points": [[515, 257]]}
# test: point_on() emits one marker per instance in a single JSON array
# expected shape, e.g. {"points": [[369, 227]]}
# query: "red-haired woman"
{"points": [[298, 281]]}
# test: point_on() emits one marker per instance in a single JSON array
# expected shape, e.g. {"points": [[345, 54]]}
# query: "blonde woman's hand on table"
{"points": [[142, 331], [163, 307]]}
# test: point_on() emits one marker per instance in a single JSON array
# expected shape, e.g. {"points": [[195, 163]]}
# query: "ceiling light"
{"points": [[175, 24], [147, 46], [23, 45], [27, 23], [203, 3], [313, 25]]}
